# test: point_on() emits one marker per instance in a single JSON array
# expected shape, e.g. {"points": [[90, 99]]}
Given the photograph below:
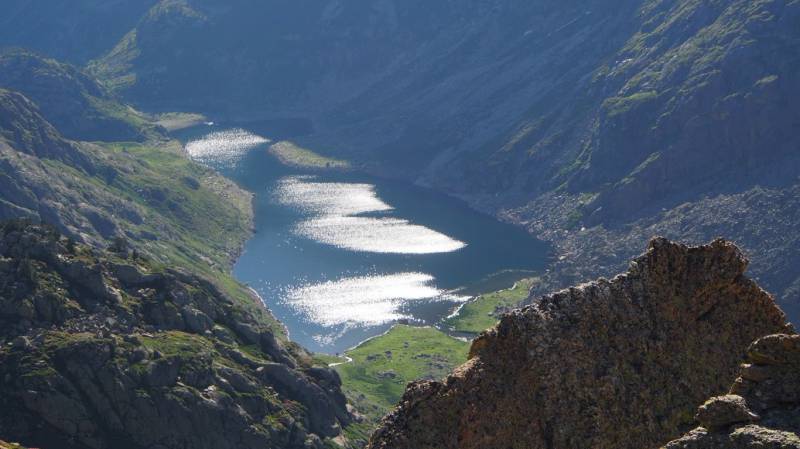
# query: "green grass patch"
{"points": [[484, 311], [291, 154], [382, 366]]}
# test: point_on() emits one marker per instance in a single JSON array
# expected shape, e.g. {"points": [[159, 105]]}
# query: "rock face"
{"points": [[104, 350], [763, 407], [610, 364]]}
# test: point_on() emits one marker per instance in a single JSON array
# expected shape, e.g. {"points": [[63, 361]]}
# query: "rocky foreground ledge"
{"points": [[108, 350], [761, 410], [611, 364]]}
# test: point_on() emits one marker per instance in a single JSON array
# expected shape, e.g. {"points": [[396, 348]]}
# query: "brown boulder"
{"points": [[772, 393]]}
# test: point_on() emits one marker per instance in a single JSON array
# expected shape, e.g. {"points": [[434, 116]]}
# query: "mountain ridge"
{"points": [[71, 100]]}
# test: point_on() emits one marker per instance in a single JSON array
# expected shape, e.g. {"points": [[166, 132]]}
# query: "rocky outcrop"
{"points": [[619, 363], [762, 409], [105, 350]]}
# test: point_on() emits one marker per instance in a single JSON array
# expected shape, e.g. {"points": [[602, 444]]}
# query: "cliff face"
{"points": [[610, 364], [105, 350], [762, 409]]}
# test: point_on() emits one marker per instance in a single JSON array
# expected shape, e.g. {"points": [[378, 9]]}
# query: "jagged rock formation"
{"points": [[105, 350], [763, 407], [610, 364]]}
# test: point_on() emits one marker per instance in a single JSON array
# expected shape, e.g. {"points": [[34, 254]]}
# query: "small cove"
{"points": [[341, 256]]}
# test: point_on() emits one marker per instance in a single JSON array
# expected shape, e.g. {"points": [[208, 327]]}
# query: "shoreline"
{"points": [[473, 289]]}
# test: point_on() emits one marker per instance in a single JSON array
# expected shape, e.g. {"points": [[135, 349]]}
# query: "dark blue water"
{"points": [[286, 267]]}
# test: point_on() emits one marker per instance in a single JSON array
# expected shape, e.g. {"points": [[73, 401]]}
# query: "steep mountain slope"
{"points": [[610, 364], [762, 409], [263, 56], [71, 100], [577, 114], [151, 195], [69, 30], [102, 350], [22, 127], [97, 347]]}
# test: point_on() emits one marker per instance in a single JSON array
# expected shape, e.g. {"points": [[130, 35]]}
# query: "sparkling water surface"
{"points": [[336, 217], [340, 257], [223, 147]]}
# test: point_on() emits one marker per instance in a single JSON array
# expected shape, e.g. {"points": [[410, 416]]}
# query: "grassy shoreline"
{"points": [[375, 373], [485, 310], [380, 368]]}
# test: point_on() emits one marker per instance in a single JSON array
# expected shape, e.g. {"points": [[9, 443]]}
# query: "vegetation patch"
{"points": [[173, 210], [615, 106], [381, 367], [484, 311]]}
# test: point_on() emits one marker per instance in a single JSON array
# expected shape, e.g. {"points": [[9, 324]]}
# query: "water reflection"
{"points": [[337, 218], [338, 257], [365, 300], [223, 148]]}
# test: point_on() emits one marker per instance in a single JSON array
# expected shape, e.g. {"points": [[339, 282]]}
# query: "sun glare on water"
{"points": [[337, 217], [366, 300], [351, 217], [224, 147]]}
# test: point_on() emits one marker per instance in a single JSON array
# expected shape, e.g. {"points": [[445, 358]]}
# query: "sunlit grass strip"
{"points": [[484, 311], [381, 367]]}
